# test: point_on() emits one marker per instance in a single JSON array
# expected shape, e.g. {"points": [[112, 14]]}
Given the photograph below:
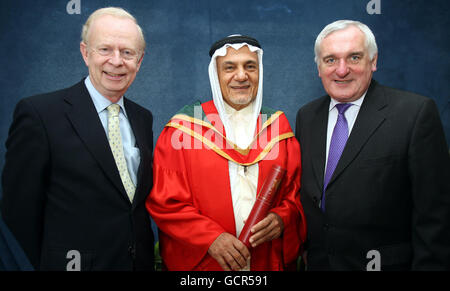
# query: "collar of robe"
{"points": [[200, 122]]}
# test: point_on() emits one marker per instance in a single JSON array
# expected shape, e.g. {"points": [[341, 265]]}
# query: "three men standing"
{"points": [[374, 175]]}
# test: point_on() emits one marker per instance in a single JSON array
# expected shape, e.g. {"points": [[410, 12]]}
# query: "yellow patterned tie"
{"points": [[115, 142]]}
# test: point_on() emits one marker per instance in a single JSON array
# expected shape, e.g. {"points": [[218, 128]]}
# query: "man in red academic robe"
{"points": [[209, 164]]}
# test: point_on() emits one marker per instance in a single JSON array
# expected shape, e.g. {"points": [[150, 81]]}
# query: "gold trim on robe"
{"points": [[231, 151]]}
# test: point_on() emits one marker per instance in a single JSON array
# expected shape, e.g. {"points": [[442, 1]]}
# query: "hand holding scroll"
{"points": [[260, 225], [271, 227]]}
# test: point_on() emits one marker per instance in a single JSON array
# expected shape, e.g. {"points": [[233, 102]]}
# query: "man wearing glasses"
{"points": [[78, 161]]}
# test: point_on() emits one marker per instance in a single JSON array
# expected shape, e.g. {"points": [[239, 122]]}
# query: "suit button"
{"points": [[326, 227], [316, 201], [132, 251]]}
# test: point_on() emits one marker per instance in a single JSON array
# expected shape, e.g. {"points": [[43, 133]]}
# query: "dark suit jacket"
{"points": [[390, 191], [62, 189]]}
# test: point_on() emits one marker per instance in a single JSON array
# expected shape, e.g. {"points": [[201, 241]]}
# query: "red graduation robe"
{"points": [[191, 197]]}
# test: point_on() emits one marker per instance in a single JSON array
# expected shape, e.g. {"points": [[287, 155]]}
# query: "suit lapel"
{"points": [[85, 120], [139, 134], [318, 141], [371, 115]]}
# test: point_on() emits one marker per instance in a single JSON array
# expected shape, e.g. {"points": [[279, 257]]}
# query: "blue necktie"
{"points": [[337, 144]]}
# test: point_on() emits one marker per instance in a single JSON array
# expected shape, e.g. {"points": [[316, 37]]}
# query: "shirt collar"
{"points": [[357, 102], [100, 102], [246, 111]]}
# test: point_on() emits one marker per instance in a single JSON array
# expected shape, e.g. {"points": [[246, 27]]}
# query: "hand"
{"points": [[305, 257], [229, 252], [267, 229]]}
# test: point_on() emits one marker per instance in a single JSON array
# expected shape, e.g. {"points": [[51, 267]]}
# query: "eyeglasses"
{"points": [[126, 54]]}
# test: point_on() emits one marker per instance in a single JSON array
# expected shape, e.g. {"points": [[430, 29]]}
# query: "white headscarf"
{"points": [[217, 93]]}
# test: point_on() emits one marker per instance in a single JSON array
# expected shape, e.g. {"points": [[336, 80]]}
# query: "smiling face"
{"points": [[344, 64], [106, 53], [238, 73]]}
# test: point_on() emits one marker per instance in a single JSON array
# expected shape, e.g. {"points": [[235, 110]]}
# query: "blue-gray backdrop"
{"points": [[40, 53]]}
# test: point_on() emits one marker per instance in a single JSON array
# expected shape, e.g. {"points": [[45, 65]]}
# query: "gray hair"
{"points": [[112, 11], [370, 42]]}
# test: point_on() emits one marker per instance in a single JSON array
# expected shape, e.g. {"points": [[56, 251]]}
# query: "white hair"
{"points": [[112, 11], [370, 42]]}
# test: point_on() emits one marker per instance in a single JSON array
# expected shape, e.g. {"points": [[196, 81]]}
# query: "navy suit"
{"points": [[62, 190], [390, 191]]}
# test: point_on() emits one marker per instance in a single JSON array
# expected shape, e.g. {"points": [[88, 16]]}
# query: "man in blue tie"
{"points": [[375, 165]]}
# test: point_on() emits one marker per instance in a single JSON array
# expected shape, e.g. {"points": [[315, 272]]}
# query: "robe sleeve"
{"points": [[289, 207], [185, 234]]}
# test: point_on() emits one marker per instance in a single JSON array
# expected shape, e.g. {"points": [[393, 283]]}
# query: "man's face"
{"points": [[344, 64], [112, 54], [238, 73]]}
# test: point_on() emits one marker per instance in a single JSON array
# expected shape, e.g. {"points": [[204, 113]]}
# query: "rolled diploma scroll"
{"points": [[263, 202]]}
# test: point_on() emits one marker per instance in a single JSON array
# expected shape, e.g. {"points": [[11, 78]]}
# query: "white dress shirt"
{"points": [[243, 180]]}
